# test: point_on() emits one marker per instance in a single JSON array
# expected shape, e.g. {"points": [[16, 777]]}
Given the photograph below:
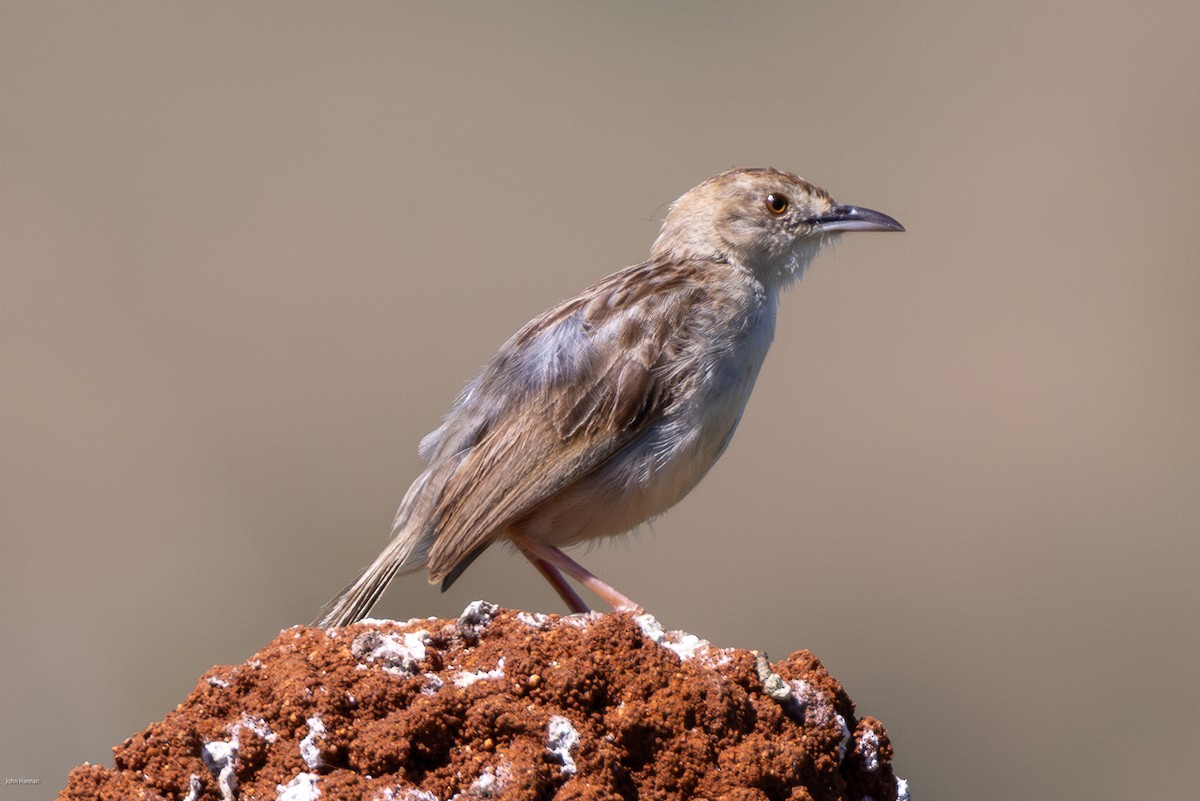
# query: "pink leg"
{"points": [[554, 560], [560, 585]]}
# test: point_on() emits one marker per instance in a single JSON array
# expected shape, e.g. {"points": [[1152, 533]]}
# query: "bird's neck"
{"points": [[787, 268]]}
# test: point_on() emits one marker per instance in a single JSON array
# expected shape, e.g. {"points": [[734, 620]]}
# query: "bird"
{"points": [[607, 409]]}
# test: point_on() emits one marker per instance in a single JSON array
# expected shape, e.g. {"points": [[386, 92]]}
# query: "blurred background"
{"points": [[251, 253]]}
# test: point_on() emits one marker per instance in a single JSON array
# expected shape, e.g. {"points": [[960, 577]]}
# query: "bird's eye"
{"points": [[777, 203]]}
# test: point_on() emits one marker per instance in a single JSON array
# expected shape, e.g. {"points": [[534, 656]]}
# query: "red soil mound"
{"points": [[506, 705]]}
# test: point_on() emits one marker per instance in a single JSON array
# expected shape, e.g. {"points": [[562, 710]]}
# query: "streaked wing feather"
{"points": [[592, 390]]}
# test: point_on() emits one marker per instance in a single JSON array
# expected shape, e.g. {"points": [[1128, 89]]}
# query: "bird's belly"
{"points": [[648, 477]]}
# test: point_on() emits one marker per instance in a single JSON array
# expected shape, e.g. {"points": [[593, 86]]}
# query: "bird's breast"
{"points": [[660, 467]]}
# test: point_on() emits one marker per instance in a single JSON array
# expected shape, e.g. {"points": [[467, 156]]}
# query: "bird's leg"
{"points": [[560, 585], [550, 560]]}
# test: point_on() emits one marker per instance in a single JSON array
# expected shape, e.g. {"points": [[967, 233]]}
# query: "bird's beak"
{"points": [[855, 218]]}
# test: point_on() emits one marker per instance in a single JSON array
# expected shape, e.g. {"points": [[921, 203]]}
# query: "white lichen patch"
{"points": [[535, 620], [302, 788], [813, 703], [398, 652], [561, 739], [310, 749], [686, 646], [477, 615], [255, 724], [868, 749], [466, 679], [492, 782], [195, 787], [220, 756], [803, 702], [651, 628], [412, 622], [845, 741], [816, 709]]}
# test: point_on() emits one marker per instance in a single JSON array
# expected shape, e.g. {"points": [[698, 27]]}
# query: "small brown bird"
{"points": [[606, 410]]}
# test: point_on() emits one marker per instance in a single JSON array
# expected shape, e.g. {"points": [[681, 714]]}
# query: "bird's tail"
{"points": [[407, 552], [356, 598]]}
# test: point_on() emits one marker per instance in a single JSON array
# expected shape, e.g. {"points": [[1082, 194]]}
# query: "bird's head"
{"points": [[764, 220]]}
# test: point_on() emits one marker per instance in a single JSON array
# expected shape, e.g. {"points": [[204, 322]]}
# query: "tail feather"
{"points": [[413, 535], [356, 598]]}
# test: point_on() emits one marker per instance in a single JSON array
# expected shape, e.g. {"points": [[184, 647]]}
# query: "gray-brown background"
{"points": [[251, 253]]}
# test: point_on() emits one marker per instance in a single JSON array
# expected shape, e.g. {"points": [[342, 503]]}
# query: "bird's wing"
{"points": [[563, 396]]}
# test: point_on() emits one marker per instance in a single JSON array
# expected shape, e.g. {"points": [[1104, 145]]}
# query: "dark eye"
{"points": [[777, 203]]}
